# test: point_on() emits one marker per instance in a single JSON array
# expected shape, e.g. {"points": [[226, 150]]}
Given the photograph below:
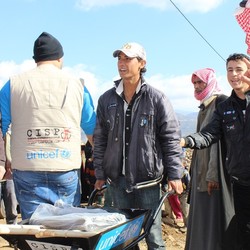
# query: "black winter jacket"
{"points": [[155, 138], [229, 124]]}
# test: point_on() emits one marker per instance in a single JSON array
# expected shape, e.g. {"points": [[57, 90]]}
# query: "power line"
{"points": [[198, 32]]}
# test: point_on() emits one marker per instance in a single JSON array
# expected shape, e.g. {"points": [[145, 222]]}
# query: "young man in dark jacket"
{"points": [[136, 140], [231, 123]]}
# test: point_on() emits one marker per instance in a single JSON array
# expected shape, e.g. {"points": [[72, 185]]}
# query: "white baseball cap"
{"points": [[132, 50]]}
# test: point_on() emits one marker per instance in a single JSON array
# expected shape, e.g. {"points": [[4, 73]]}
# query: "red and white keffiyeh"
{"points": [[243, 18]]}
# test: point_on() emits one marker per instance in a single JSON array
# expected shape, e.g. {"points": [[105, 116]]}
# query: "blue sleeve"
{"points": [[88, 113], [5, 107]]}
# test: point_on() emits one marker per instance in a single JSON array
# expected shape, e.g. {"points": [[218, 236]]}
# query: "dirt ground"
{"points": [[3, 243], [174, 237]]}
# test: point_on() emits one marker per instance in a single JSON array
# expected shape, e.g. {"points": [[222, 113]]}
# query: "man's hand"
{"points": [[176, 185], [246, 76], [182, 142], [212, 185], [8, 169], [99, 184]]}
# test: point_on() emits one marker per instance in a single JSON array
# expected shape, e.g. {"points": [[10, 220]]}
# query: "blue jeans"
{"points": [[146, 198], [8, 195], [33, 188]]}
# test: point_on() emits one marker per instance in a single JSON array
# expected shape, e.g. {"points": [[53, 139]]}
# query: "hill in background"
{"points": [[187, 122]]}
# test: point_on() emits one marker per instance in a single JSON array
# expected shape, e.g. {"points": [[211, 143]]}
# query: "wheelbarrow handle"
{"points": [[155, 212], [150, 221], [163, 197], [94, 193]]}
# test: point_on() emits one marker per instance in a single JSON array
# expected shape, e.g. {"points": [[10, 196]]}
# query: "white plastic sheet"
{"points": [[63, 216]]}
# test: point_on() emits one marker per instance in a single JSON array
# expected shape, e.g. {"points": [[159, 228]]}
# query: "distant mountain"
{"points": [[187, 122]]}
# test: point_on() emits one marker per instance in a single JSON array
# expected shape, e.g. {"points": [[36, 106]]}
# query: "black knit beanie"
{"points": [[46, 48]]}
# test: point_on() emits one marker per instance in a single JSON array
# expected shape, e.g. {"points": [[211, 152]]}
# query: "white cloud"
{"points": [[178, 88], [197, 5], [184, 5], [9, 68], [94, 85]]}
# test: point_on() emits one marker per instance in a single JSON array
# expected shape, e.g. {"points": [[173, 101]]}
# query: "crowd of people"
{"points": [[134, 145]]}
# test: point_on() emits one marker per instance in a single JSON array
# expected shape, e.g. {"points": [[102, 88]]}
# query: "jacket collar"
{"points": [[117, 82]]}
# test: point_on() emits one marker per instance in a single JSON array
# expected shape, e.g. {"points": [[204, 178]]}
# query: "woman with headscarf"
{"points": [[206, 222]]}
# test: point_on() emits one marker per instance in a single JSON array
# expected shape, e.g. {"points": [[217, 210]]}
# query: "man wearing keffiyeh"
{"points": [[207, 174], [231, 124]]}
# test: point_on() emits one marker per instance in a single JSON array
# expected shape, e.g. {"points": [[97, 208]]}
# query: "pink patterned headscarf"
{"points": [[207, 75]]}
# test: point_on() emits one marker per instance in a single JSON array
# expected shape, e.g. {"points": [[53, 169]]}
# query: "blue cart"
{"points": [[123, 236]]}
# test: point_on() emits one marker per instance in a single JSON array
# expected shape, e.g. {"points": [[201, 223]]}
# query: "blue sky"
{"points": [[90, 30]]}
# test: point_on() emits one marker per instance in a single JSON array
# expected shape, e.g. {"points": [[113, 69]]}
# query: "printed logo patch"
{"points": [[50, 154], [48, 135]]}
